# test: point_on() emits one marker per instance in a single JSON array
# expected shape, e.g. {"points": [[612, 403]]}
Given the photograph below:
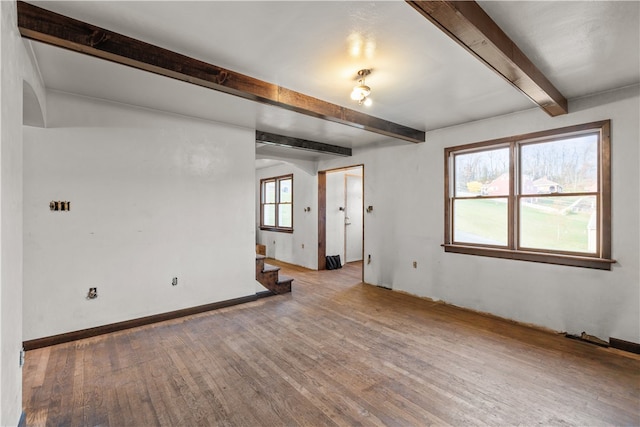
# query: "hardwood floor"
{"points": [[332, 352]]}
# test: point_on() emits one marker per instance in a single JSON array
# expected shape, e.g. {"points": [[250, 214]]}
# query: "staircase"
{"points": [[269, 276]]}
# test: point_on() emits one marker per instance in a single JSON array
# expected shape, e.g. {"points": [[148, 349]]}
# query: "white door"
{"points": [[335, 215], [353, 238]]}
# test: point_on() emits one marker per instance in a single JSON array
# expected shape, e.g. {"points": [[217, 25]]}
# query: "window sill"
{"points": [[570, 260], [277, 230]]}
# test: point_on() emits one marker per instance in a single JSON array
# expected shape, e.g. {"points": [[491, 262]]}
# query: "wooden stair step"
{"points": [[269, 276], [268, 268], [284, 279], [283, 285]]}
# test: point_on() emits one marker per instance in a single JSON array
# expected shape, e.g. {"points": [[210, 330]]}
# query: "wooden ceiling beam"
{"points": [[58, 30], [470, 26], [302, 144]]}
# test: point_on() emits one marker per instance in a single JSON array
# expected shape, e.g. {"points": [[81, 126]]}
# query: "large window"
{"points": [[542, 197], [276, 204]]}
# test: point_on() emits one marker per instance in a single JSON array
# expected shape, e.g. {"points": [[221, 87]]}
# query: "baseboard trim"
{"points": [[264, 294], [128, 324], [629, 346]]}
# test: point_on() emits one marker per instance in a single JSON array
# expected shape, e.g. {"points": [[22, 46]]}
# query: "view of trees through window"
{"points": [[276, 203], [553, 201]]}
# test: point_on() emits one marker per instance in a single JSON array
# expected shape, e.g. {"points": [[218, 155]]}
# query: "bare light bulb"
{"points": [[361, 91]]}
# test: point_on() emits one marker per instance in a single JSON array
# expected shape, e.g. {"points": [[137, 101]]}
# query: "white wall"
{"points": [[288, 247], [16, 69], [153, 196], [405, 187]]}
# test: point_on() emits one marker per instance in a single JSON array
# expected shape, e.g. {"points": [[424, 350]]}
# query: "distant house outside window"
{"points": [[276, 204], [542, 197]]}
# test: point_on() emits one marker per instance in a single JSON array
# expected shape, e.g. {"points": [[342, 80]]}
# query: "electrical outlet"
{"points": [[174, 281], [59, 206]]}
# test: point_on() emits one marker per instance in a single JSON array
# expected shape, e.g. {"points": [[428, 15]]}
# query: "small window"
{"points": [[276, 204], [541, 197]]}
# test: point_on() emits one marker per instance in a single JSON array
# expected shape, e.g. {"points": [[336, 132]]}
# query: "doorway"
{"points": [[341, 214]]}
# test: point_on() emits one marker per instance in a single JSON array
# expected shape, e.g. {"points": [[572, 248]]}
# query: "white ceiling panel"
{"points": [[421, 78]]}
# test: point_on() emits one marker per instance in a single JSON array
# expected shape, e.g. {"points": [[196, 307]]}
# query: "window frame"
{"points": [[602, 257], [277, 180]]}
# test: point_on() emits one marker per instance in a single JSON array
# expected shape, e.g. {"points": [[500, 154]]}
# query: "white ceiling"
{"points": [[420, 78]]}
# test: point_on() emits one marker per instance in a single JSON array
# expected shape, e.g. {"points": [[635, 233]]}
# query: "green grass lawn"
{"points": [[487, 219]]}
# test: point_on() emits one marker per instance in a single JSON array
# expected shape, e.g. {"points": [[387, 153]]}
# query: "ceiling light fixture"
{"points": [[361, 92]]}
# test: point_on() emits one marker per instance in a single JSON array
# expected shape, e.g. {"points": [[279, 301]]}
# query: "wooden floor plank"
{"points": [[334, 352]]}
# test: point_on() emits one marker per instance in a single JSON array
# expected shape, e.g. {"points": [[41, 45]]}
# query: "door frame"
{"points": [[322, 214]]}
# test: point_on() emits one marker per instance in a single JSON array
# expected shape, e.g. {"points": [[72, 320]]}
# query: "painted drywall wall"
{"points": [[153, 196], [301, 246], [405, 187], [17, 72]]}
